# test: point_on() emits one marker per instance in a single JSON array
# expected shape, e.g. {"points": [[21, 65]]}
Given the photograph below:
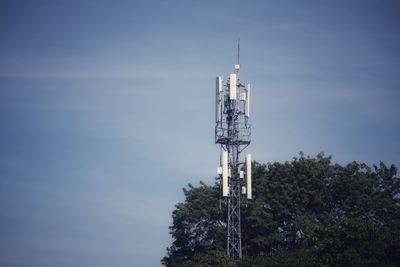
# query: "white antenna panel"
{"points": [[243, 190], [218, 99], [248, 100], [219, 170], [241, 174], [243, 96], [220, 87], [248, 174], [225, 188], [232, 86]]}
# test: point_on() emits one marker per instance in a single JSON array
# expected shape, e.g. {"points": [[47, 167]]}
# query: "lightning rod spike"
{"points": [[238, 50], [237, 66]]}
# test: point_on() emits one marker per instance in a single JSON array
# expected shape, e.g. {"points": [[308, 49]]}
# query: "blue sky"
{"points": [[106, 110]]}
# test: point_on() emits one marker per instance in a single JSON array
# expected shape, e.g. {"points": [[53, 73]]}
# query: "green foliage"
{"points": [[198, 229], [308, 212]]}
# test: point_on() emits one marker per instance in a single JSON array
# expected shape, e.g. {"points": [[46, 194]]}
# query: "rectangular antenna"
{"points": [[247, 100], [219, 170], [248, 174], [218, 99], [232, 86], [225, 188]]}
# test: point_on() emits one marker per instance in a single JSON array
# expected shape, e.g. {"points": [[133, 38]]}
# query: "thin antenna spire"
{"points": [[237, 66], [238, 50]]}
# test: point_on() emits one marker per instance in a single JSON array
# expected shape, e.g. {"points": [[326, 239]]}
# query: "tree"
{"points": [[308, 212], [198, 229]]}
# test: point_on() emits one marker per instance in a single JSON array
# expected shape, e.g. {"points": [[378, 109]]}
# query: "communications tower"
{"points": [[232, 133]]}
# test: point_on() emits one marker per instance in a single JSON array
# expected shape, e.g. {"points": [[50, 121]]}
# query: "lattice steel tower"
{"points": [[232, 132]]}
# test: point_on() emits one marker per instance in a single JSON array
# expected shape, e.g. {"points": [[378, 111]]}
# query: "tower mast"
{"points": [[232, 133]]}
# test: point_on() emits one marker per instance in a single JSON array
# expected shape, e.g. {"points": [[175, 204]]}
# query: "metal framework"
{"points": [[232, 132]]}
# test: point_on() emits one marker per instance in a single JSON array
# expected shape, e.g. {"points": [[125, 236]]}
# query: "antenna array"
{"points": [[232, 132]]}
